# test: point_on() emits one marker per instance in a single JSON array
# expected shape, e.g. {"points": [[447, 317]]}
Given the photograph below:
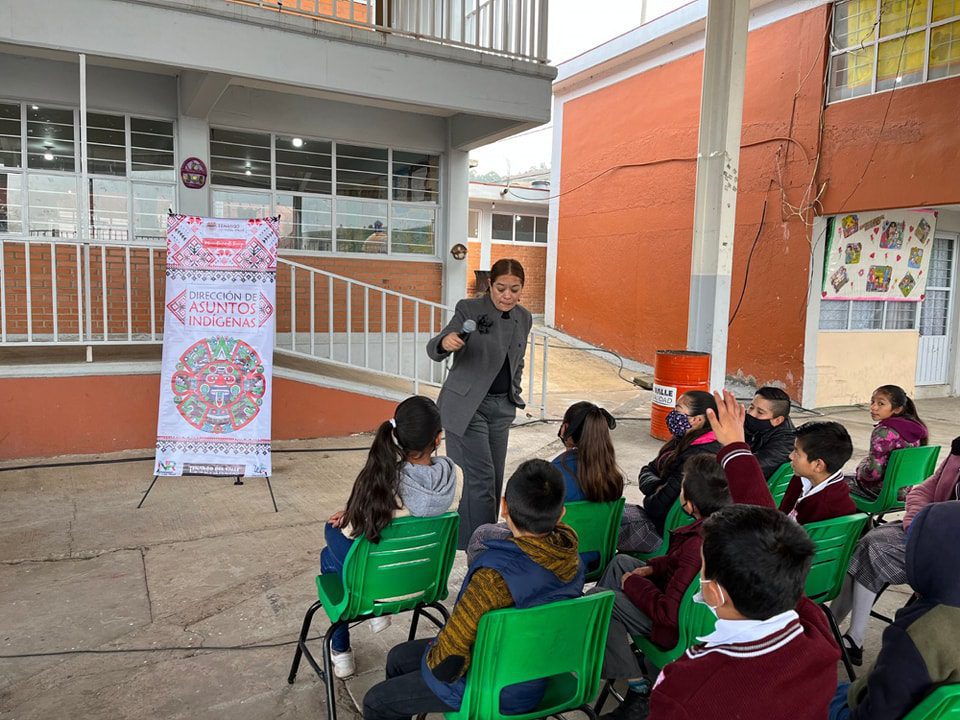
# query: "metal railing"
{"points": [[512, 28], [56, 292]]}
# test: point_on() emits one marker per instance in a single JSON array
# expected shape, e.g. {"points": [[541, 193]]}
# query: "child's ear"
{"points": [[504, 510], [713, 595], [437, 440], [562, 513]]}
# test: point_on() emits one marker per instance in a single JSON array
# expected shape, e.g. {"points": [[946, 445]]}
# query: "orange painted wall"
{"points": [[44, 417], [909, 160], [625, 239], [534, 261]]}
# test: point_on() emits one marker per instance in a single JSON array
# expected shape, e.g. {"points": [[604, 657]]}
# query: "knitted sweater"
{"points": [[830, 502]]}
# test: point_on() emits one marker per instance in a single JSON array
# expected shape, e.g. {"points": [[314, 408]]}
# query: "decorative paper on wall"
{"points": [[879, 255]]}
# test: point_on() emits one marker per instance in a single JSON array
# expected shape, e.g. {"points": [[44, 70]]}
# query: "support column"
{"points": [[456, 204], [193, 140], [721, 113]]}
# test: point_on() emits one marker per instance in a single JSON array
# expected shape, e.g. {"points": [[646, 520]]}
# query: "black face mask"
{"points": [[756, 425]]}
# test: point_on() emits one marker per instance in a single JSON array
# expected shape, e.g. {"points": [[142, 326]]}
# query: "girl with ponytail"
{"points": [[897, 426], [401, 476], [589, 465]]}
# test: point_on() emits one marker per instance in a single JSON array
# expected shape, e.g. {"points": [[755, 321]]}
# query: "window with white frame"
{"points": [[330, 196], [519, 228], [880, 45], [131, 174], [867, 315]]}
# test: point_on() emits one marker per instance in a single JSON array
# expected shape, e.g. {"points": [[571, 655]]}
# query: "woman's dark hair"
{"points": [[598, 475], [705, 484], [698, 401], [899, 400], [375, 494], [507, 266]]}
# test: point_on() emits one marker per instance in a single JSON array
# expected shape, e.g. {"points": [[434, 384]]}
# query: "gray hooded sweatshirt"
{"points": [[428, 490]]}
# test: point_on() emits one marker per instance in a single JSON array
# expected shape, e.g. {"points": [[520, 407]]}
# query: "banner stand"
{"points": [[238, 481]]}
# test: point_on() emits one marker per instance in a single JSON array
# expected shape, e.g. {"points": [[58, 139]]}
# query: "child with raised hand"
{"points": [[401, 476], [897, 426], [648, 595], [642, 526], [537, 564]]}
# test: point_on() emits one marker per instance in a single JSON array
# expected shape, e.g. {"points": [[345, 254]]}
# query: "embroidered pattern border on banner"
{"points": [[217, 369]]}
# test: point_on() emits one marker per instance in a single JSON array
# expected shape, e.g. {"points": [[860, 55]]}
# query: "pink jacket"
{"points": [[940, 486]]}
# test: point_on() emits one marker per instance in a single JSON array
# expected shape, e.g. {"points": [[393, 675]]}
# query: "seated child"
{"points": [[880, 558], [648, 596], [921, 649], [772, 654], [642, 526], [401, 475], [589, 469], [898, 426], [817, 491], [537, 564], [770, 433]]}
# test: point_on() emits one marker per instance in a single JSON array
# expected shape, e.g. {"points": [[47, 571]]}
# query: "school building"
{"points": [[352, 120], [849, 151]]}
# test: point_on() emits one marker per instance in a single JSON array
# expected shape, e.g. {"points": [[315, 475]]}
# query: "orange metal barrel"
{"points": [[675, 372]]}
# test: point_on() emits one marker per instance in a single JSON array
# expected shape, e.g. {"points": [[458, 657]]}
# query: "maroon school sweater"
{"points": [[659, 595], [832, 502], [791, 673]]}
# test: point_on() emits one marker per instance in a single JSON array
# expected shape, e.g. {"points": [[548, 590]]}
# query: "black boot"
{"points": [[636, 706], [854, 651]]}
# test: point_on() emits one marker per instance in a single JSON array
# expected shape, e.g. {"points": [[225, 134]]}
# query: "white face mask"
{"points": [[698, 597]]}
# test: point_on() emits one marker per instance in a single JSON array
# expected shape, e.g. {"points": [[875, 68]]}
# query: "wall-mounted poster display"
{"points": [[878, 255]]}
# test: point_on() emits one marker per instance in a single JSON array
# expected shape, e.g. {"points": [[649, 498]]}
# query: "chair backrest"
{"points": [[834, 540], [563, 641], [597, 525], [676, 518], [696, 620], [944, 702], [906, 467], [410, 565], [779, 481]]}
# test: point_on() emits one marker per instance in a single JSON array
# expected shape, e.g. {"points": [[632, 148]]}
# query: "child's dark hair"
{"points": [[698, 401], [598, 475], [506, 266], [534, 497], [705, 484], [827, 441], [778, 399], [899, 400], [759, 555], [375, 494]]}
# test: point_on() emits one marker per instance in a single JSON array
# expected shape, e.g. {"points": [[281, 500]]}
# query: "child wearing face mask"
{"points": [[897, 426], [642, 527], [769, 431]]}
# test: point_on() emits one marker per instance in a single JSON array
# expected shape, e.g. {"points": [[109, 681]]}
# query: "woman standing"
{"points": [[481, 394]]}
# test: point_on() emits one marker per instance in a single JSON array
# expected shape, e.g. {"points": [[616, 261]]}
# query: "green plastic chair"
{"points": [[597, 525], [943, 703], [834, 540], [407, 570], [676, 518], [562, 641], [696, 620], [906, 467], [779, 481]]}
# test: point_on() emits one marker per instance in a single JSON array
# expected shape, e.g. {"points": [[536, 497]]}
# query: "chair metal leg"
{"points": [[839, 638], [413, 624], [421, 610], [602, 697], [328, 677], [588, 711], [302, 642]]}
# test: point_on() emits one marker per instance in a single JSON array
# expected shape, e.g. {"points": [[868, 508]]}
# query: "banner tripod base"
{"points": [[237, 481], [152, 482]]}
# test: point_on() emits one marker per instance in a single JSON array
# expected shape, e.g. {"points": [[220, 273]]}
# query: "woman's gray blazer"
{"points": [[476, 365]]}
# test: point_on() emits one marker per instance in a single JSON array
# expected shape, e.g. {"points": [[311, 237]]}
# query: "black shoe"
{"points": [[854, 651], [634, 707]]}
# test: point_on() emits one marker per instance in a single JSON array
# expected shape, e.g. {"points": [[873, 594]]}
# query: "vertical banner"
{"points": [[216, 375]]}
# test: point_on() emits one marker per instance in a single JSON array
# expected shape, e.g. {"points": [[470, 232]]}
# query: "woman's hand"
{"points": [[727, 422], [451, 342], [336, 519]]}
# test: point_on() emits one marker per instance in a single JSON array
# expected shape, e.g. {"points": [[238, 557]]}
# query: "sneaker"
{"points": [[343, 665], [379, 624], [854, 651], [634, 707]]}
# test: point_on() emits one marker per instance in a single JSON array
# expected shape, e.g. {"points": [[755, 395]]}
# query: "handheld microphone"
{"points": [[468, 327]]}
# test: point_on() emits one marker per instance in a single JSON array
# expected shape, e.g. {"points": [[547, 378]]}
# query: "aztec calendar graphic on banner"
{"points": [[217, 370], [218, 385]]}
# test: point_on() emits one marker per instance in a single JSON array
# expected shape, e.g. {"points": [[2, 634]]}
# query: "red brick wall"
{"points": [[534, 261]]}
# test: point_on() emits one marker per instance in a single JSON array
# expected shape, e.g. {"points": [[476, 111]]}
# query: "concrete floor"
{"points": [[162, 595]]}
